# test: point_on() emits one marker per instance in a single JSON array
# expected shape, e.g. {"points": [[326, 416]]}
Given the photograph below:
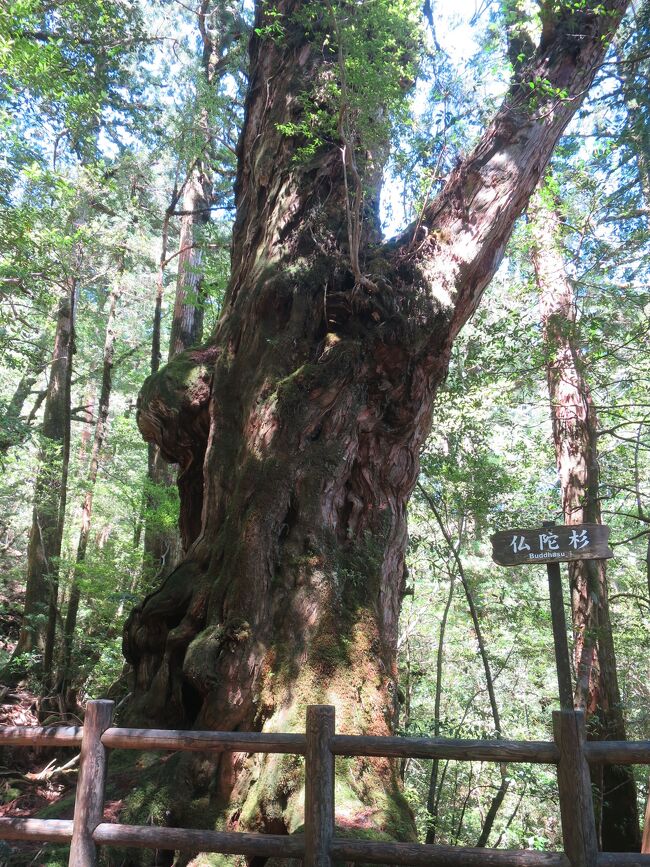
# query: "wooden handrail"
{"points": [[275, 845], [442, 856], [49, 830], [618, 752], [536, 752], [319, 786], [41, 736], [171, 739], [623, 859], [574, 787], [530, 752], [89, 799], [319, 846], [190, 839]]}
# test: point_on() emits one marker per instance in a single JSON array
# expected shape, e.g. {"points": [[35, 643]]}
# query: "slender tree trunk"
{"points": [[44, 550], [187, 324], [87, 429], [87, 507], [313, 400], [159, 547], [432, 800], [14, 426], [575, 433], [497, 800], [53, 609], [163, 548]]}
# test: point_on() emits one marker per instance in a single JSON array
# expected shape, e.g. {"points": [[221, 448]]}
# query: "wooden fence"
{"points": [[319, 846]]}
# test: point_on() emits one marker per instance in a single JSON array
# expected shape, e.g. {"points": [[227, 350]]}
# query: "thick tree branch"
{"points": [[461, 238]]}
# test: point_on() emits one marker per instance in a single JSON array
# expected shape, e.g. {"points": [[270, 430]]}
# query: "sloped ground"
{"points": [[31, 781], [40, 783]]}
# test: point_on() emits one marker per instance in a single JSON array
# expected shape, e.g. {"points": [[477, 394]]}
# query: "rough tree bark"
{"points": [[575, 434], [314, 397], [44, 549]]}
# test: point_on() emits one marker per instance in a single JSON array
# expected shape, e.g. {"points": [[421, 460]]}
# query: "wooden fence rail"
{"points": [[319, 846]]}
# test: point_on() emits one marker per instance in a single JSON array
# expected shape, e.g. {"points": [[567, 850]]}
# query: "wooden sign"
{"points": [[556, 544]]}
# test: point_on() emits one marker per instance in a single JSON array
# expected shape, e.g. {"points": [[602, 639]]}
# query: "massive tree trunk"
{"points": [[314, 397], [39, 619], [575, 434]]}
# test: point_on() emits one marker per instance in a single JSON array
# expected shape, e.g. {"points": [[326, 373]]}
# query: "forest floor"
{"points": [[39, 782], [31, 779], [35, 782]]}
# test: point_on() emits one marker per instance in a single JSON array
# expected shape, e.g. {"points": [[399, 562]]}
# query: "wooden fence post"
{"points": [[319, 786], [574, 784], [89, 799]]}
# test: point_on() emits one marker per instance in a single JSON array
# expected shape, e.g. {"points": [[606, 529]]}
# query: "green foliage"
{"points": [[64, 65], [542, 91], [85, 177], [489, 465], [373, 56], [273, 28]]}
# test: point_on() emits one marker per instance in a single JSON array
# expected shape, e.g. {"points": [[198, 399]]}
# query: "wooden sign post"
{"points": [[552, 544]]}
